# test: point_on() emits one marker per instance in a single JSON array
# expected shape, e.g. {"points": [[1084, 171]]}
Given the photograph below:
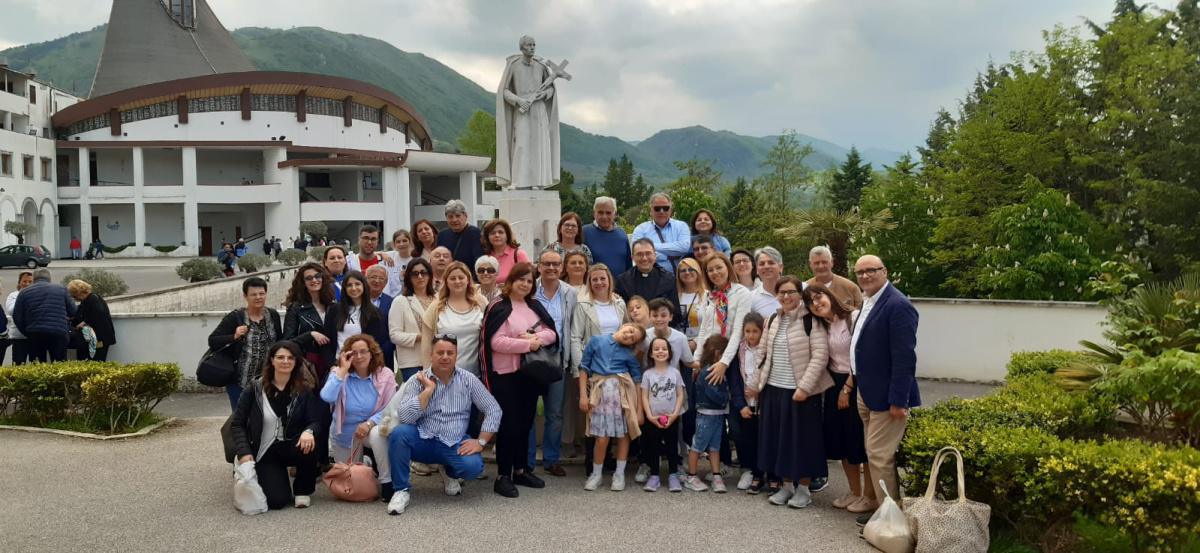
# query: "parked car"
{"points": [[22, 255]]}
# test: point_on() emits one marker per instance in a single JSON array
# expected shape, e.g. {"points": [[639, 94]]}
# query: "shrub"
{"points": [[1023, 363], [99, 392], [291, 256], [117, 249], [1020, 458], [199, 269], [1155, 317], [252, 262], [315, 229], [167, 248], [121, 396], [104, 283], [1161, 394], [317, 253]]}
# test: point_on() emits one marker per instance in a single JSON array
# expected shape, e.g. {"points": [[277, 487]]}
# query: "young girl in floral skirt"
{"points": [[608, 395]]}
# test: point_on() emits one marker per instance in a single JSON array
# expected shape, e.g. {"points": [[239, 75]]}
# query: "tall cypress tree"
{"points": [[845, 190]]}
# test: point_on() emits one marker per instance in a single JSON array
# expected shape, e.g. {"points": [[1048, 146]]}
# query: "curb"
{"points": [[72, 434]]}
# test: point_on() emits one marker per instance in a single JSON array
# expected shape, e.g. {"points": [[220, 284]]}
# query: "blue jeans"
{"points": [[405, 445], [235, 393], [552, 409], [709, 429], [407, 373]]}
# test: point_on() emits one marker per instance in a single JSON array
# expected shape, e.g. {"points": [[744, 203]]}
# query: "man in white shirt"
{"points": [[671, 237], [769, 264], [20, 346]]}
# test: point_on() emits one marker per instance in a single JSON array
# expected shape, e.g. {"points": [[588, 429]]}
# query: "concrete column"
{"points": [[397, 199], [466, 193], [139, 207], [8, 120], [281, 218], [85, 207], [191, 208]]}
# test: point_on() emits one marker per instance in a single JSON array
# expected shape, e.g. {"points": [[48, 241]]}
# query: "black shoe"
{"points": [[863, 519], [756, 487], [504, 486], [386, 491], [818, 485], [528, 480]]}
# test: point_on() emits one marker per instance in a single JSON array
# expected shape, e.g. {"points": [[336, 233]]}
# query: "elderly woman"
{"points": [[378, 277], [743, 268], [692, 299], [486, 270], [92, 312], [353, 314], [843, 429], [440, 260], [575, 267], [334, 261], [457, 310], [515, 325], [359, 388], [275, 426], [424, 238], [789, 388], [499, 242], [245, 334], [704, 222], [570, 237], [404, 319]]}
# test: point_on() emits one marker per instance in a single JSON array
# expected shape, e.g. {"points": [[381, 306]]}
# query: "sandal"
{"points": [[773, 487], [756, 486]]}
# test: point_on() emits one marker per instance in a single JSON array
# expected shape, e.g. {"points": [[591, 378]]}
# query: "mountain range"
{"points": [[443, 96]]}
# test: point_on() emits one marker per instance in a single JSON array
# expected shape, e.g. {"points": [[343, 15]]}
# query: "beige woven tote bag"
{"points": [[954, 526]]}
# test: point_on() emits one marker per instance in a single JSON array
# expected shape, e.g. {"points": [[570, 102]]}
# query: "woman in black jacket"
{"points": [[352, 314], [282, 403], [93, 311], [245, 334], [307, 301]]}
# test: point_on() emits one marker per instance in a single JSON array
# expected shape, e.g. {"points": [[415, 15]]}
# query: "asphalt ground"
{"points": [[171, 491]]}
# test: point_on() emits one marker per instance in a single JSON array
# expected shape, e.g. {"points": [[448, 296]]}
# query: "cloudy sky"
{"points": [[865, 72]]}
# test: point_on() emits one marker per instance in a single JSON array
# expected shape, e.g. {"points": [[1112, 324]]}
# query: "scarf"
{"points": [[721, 306]]}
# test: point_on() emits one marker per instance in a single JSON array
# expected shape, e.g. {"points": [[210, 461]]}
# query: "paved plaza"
{"points": [[171, 491], [141, 274]]}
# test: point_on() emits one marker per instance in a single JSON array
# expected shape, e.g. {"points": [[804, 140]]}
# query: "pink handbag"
{"points": [[352, 481]]}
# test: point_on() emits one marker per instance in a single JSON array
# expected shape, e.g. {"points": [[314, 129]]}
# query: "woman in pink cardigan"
{"points": [[515, 324], [499, 242]]}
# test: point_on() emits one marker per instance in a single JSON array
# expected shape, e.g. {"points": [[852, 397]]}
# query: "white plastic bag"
{"points": [[888, 528], [248, 495]]}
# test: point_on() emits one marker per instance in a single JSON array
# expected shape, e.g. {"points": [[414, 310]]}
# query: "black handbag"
{"points": [[217, 368], [227, 439], [544, 366]]}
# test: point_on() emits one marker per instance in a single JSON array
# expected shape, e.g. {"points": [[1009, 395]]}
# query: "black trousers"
{"points": [[661, 441], [20, 351], [272, 471], [517, 396], [101, 354], [47, 346], [746, 438]]}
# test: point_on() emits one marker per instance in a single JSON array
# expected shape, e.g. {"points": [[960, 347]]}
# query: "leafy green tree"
{"points": [[905, 249], [741, 212], [478, 137], [845, 189], [784, 172], [698, 174], [836, 229], [689, 200], [1040, 248], [626, 186], [578, 202]]}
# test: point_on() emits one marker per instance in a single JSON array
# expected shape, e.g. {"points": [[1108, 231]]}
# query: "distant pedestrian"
{"points": [[276, 247], [20, 345], [97, 249], [41, 313], [240, 248], [92, 321], [268, 245], [227, 258], [76, 248]]}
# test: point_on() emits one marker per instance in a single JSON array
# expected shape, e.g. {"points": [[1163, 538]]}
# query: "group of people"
{"points": [[41, 320], [671, 343]]}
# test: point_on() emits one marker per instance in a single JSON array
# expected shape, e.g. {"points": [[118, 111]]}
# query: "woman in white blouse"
{"points": [[457, 310], [728, 304], [692, 298], [600, 311], [407, 316]]}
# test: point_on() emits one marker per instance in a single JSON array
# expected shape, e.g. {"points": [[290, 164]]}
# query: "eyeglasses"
{"points": [[452, 338], [419, 274], [688, 270], [314, 278], [360, 352], [786, 293], [662, 208], [870, 271], [551, 264], [486, 270]]}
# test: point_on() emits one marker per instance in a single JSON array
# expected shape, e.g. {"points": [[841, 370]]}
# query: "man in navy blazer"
{"points": [[883, 358]]}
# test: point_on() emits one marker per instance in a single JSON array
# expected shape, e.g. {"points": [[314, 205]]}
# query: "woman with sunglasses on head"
{"points": [[457, 310], [359, 388], [692, 294], [406, 316], [513, 326]]}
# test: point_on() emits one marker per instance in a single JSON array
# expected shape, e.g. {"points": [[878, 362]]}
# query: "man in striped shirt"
{"points": [[433, 414]]}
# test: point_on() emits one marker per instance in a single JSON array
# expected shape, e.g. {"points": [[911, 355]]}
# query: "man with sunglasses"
{"points": [[671, 237], [431, 416], [883, 359]]}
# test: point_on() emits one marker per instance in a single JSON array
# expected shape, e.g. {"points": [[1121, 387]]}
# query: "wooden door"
{"points": [[206, 241]]}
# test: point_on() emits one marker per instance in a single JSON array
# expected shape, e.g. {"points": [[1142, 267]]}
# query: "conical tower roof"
{"points": [[150, 41]]}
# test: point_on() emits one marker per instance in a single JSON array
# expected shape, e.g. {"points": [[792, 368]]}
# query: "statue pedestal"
{"points": [[534, 216]]}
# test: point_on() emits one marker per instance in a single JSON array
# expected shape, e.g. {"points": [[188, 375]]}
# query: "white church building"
{"points": [[182, 143]]}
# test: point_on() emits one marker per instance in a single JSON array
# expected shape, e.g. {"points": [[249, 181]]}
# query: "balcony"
{"points": [[14, 103]]}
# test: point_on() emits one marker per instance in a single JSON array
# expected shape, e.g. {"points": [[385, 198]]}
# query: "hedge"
{"points": [[1024, 363], [199, 269], [105, 284], [253, 262], [291, 256], [1022, 459], [104, 394]]}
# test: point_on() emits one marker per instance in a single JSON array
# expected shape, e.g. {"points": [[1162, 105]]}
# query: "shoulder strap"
{"points": [[808, 322]]}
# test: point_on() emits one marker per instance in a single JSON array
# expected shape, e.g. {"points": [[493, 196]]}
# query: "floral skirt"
{"points": [[607, 418]]}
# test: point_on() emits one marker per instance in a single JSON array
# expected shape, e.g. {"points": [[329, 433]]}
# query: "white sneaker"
{"points": [[618, 482], [398, 503], [695, 484], [593, 482], [801, 499], [744, 481], [718, 484], [643, 474], [452, 486], [303, 501], [782, 496]]}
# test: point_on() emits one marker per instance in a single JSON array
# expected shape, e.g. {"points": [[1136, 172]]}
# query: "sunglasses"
{"points": [[452, 338], [662, 208], [486, 271], [314, 278], [419, 274]]}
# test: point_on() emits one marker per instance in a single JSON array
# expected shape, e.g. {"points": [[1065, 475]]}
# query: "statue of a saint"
{"points": [[527, 153]]}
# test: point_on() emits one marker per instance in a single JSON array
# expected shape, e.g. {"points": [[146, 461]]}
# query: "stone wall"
{"points": [[221, 295]]}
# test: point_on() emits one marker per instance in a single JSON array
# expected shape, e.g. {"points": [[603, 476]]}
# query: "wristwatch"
{"points": [[482, 442]]}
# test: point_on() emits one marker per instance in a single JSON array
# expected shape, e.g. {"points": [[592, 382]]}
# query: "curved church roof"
{"points": [[150, 41]]}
